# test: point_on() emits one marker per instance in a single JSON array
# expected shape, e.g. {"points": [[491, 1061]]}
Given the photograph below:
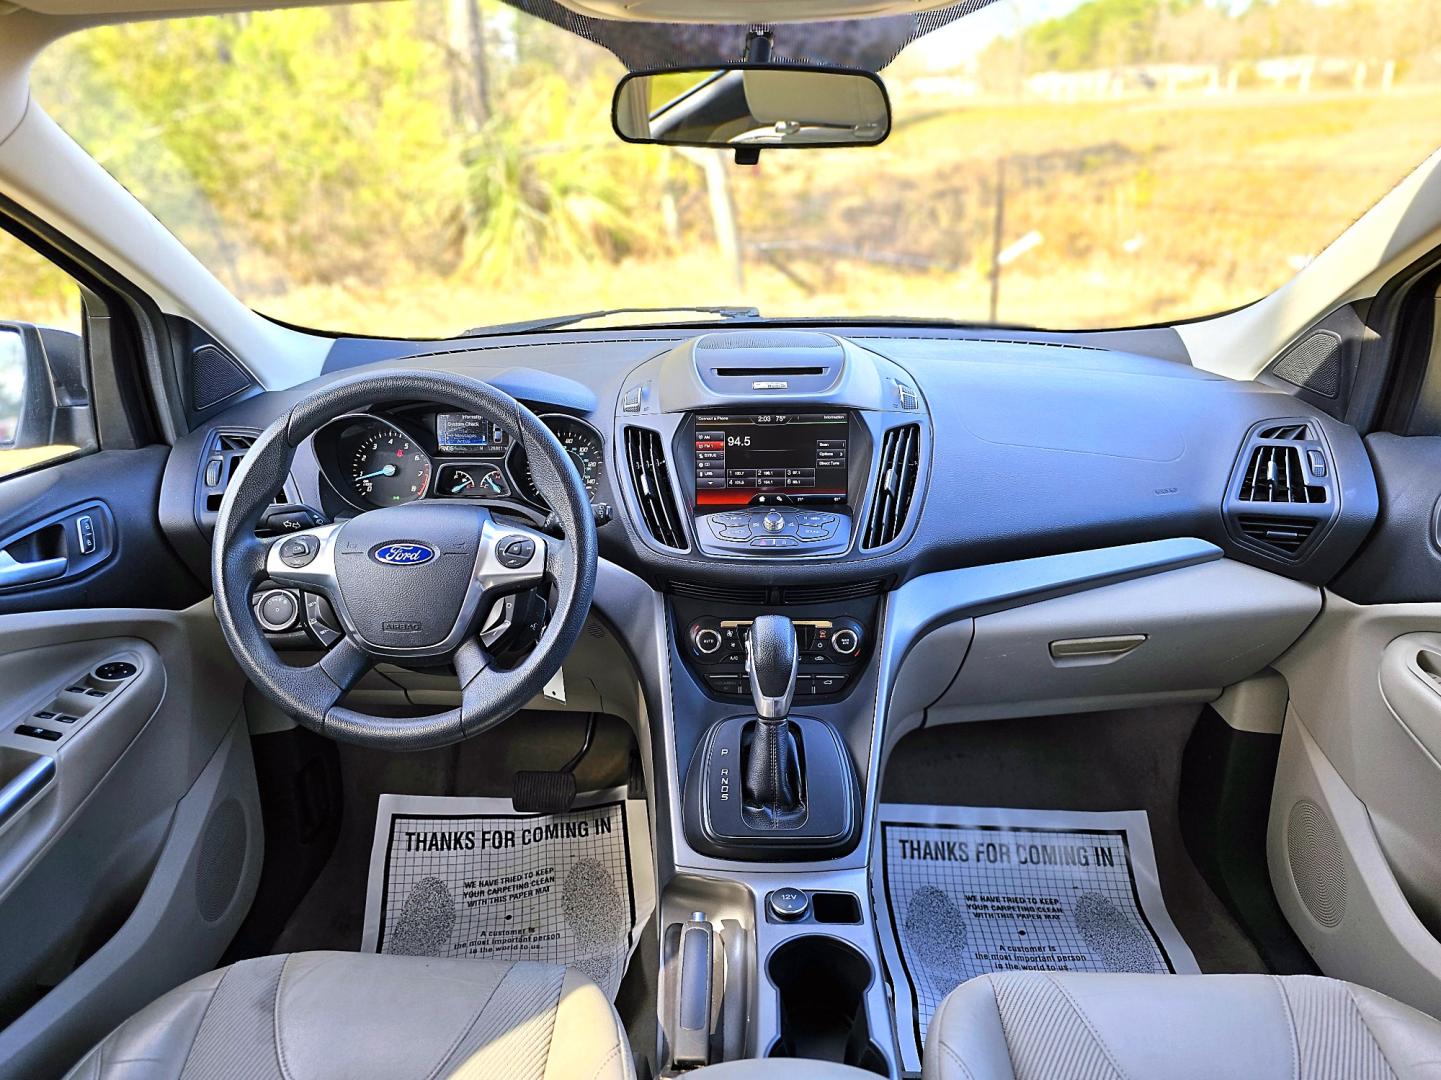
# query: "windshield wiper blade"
{"points": [[554, 321]]}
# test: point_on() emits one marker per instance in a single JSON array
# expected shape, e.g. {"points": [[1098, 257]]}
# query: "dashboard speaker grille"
{"points": [[650, 480], [1313, 364], [214, 376], [895, 485], [1318, 867]]}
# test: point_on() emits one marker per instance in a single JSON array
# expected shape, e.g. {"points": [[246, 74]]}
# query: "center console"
{"points": [[750, 456]]}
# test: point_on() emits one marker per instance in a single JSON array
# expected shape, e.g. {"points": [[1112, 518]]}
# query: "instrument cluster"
{"points": [[373, 460]]}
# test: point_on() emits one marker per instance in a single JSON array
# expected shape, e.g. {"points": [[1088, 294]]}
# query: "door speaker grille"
{"points": [[220, 861], [1318, 867]]}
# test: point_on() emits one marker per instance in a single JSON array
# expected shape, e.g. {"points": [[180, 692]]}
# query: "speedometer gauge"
{"points": [[386, 468], [582, 443]]}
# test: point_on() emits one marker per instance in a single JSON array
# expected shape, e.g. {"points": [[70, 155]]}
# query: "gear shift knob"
{"points": [[771, 663]]}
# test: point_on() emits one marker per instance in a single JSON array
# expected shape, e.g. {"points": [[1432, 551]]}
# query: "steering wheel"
{"points": [[410, 584]]}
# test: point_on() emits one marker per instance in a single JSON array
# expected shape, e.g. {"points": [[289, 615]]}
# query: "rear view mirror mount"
{"points": [[749, 107]]}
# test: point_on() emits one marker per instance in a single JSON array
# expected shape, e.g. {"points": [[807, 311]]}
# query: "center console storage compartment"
{"points": [[821, 983]]}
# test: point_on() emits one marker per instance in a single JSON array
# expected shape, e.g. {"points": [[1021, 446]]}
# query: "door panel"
{"points": [[132, 564], [130, 870]]}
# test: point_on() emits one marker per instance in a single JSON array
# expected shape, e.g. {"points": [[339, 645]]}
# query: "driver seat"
{"points": [[356, 1016]]}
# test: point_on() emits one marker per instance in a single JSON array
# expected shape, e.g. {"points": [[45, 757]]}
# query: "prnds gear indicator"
{"points": [[740, 457]]}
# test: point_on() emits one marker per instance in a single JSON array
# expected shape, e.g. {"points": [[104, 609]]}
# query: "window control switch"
{"points": [[37, 732]]}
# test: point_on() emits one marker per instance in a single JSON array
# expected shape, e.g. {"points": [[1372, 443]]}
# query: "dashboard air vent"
{"points": [[1275, 475], [895, 485], [828, 594], [227, 449], [722, 594], [1287, 536], [1287, 432], [650, 479]]}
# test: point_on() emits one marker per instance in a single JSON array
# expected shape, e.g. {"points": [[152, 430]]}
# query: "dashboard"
{"points": [[403, 454], [741, 472]]}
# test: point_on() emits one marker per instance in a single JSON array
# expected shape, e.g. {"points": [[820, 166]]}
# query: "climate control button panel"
{"points": [[830, 650]]}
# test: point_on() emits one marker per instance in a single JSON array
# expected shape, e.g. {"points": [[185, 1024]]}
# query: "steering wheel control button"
{"points": [[299, 551], [115, 671], [277, 611], [788, 904], [514, 551]]}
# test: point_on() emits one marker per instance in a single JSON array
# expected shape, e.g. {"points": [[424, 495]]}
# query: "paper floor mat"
{"points": [[963, 891], [465, 877]]}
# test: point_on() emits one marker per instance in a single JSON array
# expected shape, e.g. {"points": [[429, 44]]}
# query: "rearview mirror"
{"points": [[749, 107]]}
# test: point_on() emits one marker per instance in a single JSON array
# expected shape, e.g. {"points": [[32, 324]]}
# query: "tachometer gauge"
{"points": [[386, 468], [581, 441]]}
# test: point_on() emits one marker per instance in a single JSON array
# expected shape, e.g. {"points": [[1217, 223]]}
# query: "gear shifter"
{"points": [[773, 787]]}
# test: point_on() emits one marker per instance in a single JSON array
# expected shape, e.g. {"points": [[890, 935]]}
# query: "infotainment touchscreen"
{"points": [[740, 457]]}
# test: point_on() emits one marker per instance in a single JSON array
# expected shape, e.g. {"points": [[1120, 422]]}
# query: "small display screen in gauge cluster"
{"points": [[462, 433], [744, 458]]}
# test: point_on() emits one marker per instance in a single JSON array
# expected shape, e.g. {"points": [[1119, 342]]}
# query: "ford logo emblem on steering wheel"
{"points": [[403, 554]]}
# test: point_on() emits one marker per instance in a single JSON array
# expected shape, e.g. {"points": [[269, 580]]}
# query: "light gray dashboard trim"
{"points": [[933, 599]]}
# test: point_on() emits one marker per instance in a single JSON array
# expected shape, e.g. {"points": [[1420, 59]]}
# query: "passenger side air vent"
{"points": [[650, 480], [895, 485], [1282, 494], [1282, 534], [1275, 475], [227, 449]]}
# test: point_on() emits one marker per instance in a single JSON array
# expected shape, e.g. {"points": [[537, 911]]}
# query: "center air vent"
{"points": [[895, 485], [650, 480]]}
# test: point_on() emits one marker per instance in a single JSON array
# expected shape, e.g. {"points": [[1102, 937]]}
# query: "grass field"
{"points": [[1147, 209]]}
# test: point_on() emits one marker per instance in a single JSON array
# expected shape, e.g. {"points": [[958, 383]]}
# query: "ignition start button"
{"points": [[298, 551], [514, 551], [788, 904]]}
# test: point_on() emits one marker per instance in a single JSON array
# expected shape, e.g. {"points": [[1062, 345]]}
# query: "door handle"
{"points": [[14, 573]]}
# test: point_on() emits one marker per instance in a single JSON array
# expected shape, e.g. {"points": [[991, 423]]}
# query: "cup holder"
{"points": [[822, 985]]}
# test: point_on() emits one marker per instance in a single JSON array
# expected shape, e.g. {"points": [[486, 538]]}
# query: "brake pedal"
{"points": [[537, 792]]}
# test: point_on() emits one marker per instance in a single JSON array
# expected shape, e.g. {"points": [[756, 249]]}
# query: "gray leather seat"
{"points": [[352, 1016], [1032, 1025]]}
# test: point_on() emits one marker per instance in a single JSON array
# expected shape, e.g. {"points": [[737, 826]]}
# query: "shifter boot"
{"points": [[773, 797]]}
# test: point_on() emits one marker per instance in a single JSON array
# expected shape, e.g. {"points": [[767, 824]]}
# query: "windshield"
{"points": [[416, 169]]}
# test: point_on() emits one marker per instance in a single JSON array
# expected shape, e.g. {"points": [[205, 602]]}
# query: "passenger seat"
{"points": [[1042, 1026]]}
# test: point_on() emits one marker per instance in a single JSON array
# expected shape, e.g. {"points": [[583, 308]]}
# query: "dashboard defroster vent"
{"points": [[1284, 535], [895, 485], [650, 480]]}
